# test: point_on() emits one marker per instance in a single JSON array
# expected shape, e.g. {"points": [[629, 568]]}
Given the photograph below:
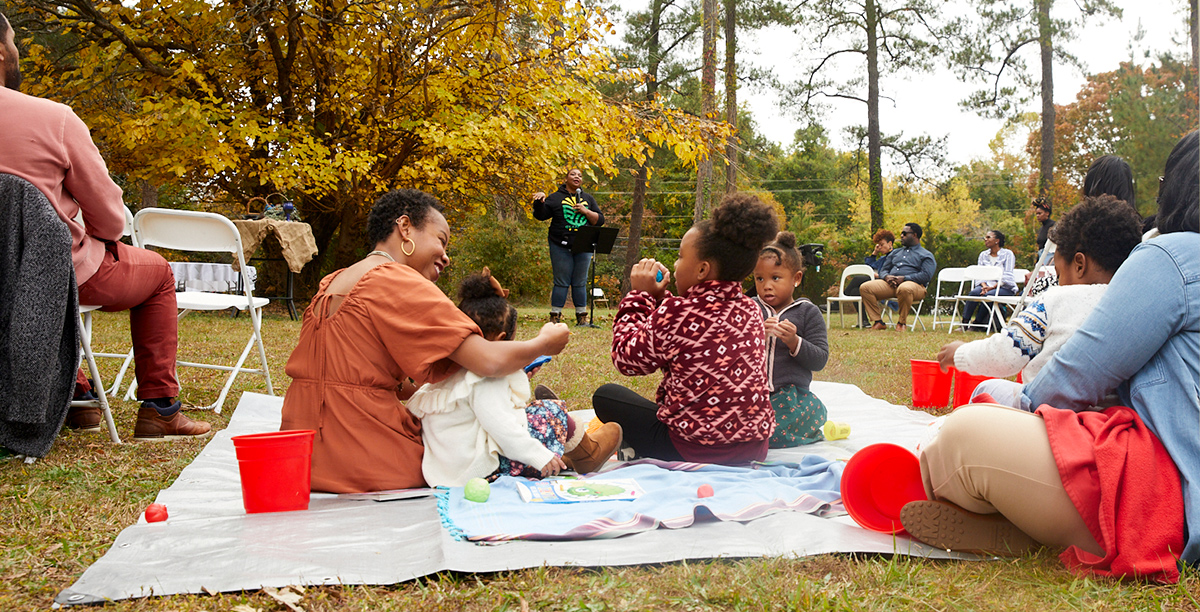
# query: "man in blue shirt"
{"points": [[903, 277]]}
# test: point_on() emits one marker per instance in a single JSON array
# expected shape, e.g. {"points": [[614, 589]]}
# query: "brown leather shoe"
{"points": [[879, 325], [594, 449], [84, 418], [901, 327], [153, 427], [946, 526]]}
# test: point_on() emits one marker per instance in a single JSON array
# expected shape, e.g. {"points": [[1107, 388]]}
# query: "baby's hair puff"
{"points": [[784, 252], [735, 234], [483, 299]]}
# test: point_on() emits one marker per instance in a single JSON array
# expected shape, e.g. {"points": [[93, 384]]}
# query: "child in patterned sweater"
{"points": [[1093, 239], [797, 344], [713, 404]]}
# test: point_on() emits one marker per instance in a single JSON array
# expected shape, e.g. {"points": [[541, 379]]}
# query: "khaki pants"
{"points": [[878, 289], [989, 459]]}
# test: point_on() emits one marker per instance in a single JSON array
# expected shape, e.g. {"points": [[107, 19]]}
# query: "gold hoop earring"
{"points": [[409, 252]]}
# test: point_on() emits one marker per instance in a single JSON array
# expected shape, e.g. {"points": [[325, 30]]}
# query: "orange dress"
{"points": [[346, 370]]}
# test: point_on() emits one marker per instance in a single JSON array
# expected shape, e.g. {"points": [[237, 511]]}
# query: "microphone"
{"points": [[579, 194]]}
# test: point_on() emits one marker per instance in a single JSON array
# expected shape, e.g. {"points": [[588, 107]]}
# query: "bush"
{"points": [[515, 251]]}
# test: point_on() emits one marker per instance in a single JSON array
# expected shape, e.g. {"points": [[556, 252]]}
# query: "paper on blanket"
{"points": [[669, 501], [576, 490]]}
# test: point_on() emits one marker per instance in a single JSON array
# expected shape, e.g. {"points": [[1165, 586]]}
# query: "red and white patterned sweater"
{"points": [[710, 345]]}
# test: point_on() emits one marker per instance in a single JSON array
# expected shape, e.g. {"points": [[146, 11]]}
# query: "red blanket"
{"points": [[1126, 488]]}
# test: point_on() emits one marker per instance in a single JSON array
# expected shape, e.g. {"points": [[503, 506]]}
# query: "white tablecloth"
{"points": [[221, 278]]}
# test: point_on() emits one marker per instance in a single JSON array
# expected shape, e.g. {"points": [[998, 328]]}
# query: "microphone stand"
{"points": [[591, 295]]}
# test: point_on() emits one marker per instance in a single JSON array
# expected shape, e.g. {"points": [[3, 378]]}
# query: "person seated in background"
{"points": [[884, 243], [904, 277], [1094, 238], [996, 256], [56, 154]]}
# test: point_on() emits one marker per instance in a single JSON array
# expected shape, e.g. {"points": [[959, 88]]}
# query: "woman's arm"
{"points": [[1144, 306], [501, 358], [636, 348]]}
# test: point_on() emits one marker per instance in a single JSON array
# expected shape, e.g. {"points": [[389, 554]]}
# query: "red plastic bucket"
{"points": [[877, 482], [964, 386], [276, 470], [930, 385]]}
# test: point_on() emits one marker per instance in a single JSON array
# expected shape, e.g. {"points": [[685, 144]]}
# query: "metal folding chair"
{"points": [[184, 230]]}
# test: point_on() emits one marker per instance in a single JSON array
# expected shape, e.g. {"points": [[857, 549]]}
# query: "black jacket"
{"points": [[553, 208]]}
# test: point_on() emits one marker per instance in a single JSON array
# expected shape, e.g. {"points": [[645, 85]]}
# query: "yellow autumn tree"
{"points": [[950, 209], [335, 101]]}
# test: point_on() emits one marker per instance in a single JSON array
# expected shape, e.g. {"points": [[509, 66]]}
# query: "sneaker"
{"points": [[152, 426], [946, 526], [84, 418], [542, 392]]}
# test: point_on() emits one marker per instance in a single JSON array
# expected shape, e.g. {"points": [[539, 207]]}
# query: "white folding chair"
{"points": [[842, 298], [948, 276], [977, 274], [184, 230], [101, 401], [598, 296]]}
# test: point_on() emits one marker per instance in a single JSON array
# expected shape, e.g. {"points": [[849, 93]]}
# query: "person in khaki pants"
{"points": [[903, 277]]}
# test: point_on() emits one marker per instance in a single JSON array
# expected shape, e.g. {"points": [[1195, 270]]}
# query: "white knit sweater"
{"points": [[468, 421], [1027, 343]]}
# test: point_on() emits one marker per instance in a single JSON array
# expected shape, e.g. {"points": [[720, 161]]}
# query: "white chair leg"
{"points": [[85, 340]]}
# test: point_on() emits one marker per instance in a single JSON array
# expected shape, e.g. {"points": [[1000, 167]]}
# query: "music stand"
{"points": [[599, 240]]}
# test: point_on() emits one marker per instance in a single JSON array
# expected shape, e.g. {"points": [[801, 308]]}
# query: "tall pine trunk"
{"points": [[1046, 42], [874, 153], [731, 115], [708, 104], [633, 244]]}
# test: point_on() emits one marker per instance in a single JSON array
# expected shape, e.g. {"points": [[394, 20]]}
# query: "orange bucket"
{"points": [[276, 470], [964, 386], [930, 385]]}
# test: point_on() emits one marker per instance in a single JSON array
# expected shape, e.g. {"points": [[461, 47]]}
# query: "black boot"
{"points": [[581, 319]]}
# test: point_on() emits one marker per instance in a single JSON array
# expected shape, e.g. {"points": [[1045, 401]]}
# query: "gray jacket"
{"points": [[39, 319]]}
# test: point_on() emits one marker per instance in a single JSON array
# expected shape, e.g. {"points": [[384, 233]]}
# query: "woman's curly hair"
{"points": [[1103, 228], [783, 250], [735, 234], [480, 299], [395, 204]]}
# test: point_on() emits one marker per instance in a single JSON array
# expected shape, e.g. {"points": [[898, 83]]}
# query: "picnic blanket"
{"points": [[669, 501], [211, 544]]}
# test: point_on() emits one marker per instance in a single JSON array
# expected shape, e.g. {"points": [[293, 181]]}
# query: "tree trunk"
{"points": [[1194, 34], [874, 163], [633, 248], [731, 114], [1045, 38], [633, 244], [708, 104], [149, 194]]}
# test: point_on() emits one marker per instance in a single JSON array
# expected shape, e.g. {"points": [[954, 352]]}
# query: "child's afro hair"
{"points": [[1103, 228], [735, 234]]}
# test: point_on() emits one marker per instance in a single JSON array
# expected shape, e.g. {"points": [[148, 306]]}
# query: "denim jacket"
{"points": [[1143, 340]]}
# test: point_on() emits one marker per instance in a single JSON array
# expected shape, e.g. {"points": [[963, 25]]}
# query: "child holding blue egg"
{"points": [[797, 344], [477, 427]]}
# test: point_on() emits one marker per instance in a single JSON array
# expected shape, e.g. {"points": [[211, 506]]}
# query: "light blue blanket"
{"points": [[670, 501]]}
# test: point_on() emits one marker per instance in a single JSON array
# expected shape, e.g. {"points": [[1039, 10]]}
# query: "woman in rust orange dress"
{"points": [[370, 328]]}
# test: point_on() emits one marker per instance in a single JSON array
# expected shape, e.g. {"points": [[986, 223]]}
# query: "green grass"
{"points": [[63, 512]]}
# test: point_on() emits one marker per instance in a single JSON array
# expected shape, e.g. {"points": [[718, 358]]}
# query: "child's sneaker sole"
{"points": [[948, 527]]}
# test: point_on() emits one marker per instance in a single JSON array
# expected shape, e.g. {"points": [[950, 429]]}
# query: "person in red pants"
{"points": [[51, 148]]}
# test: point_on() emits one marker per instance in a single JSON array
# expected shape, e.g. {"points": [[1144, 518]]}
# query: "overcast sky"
{"points": [[928, 103]]}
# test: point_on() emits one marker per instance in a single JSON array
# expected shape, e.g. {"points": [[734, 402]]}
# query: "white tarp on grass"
{"points": [[211, 544]]}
